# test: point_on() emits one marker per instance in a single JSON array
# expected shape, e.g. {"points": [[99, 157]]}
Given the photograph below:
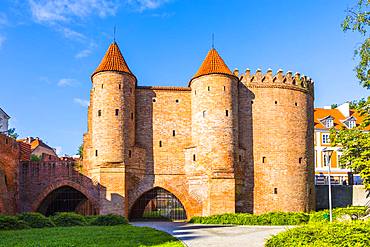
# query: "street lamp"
{"points": [[328, 153]]}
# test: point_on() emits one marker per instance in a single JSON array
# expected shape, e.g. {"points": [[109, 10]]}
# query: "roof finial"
{"points": [[213, 40], [114, 34]]}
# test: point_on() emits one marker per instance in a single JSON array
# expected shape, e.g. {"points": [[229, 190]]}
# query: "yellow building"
{"points": [[326, 118]]}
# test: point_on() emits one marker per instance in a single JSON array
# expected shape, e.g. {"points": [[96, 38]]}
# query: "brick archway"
{"points": [[41, 197], [191, 206]]}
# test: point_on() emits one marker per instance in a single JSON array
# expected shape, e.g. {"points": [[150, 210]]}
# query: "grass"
{"points": [[120, 235]]}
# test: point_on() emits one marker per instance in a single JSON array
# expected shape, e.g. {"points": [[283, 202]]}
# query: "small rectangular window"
{"points": [[263, 159], [177, 101], [194, 158], [209, 88], [102, 85], [117, 112], [160, 143], [195, 92], [227, 113], [300, 160], [129, 153], [325, 139], [99, 113], [119, 86], [204, 113], [240, 158], [96, 152], [173, 133], [275, 190], [132, 116], [224, 88]]}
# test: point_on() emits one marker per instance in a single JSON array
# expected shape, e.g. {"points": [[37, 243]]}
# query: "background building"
{"points": [[4, 118], [341, 117]]}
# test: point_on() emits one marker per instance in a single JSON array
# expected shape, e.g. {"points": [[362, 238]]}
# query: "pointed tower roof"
{"points": [[213, 64], [113, 61]]}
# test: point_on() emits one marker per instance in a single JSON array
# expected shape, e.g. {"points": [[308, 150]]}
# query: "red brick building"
{"points": [[224, 143]]}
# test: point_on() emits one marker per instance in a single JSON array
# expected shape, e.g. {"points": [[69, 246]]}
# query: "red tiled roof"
{"points": [[113, 61], [338, 118], [213, 64]]}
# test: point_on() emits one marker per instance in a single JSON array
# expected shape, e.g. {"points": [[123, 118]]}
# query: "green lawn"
{"points": [[121, 235]]}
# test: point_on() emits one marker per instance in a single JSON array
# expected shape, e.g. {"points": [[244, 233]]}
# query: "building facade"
{"points": [[341, 117], [4, 119], [224, 143]]}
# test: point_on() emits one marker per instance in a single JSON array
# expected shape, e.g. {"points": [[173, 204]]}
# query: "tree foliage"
{"points": [[12, 133], [358, 20]]}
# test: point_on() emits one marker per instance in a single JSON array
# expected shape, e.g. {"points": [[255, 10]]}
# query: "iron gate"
{"points": [[158, 203]]}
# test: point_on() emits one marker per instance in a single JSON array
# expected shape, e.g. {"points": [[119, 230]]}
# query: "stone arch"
{"points": [[64, 183], [160, 200]]}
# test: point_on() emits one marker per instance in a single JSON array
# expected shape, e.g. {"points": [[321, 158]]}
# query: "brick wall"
{"points": [[9, 160]]}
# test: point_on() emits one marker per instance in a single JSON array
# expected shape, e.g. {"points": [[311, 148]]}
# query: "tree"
{"points": [[12, 133], [80, 151], [35, 158], [358, 20], [355, 142]]}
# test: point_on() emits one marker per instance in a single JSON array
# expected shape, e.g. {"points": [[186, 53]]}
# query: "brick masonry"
{"points": [[224, 144]]}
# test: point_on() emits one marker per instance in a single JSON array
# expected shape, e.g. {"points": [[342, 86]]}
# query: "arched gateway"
{"points": [[158, 203], [66, 199]]}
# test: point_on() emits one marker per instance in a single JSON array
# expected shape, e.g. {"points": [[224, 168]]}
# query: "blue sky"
{"points": [[48, 50]]}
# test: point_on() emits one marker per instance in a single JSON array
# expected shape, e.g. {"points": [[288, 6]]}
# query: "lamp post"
{"points": [[328, 155]]}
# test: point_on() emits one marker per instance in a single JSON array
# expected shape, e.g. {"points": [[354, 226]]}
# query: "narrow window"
{"points": [[117, 112], [154, 100], [204, 113], [209, 88], [132, 115], [99, 113], [194, 158], [96, 152], [102, 85], [296, 104], [119, 86], [160, 143], [129, 153], [275, 102], [263, 159], [224, 88], [300, 160], [195, 92], [275, 190], [173, 133], [240, 158], [177, 101], [252, 102], [310, 191], [6, 141], [227, 113]]}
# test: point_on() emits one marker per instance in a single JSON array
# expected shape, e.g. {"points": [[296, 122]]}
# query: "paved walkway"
{"points": [[216, 235]]}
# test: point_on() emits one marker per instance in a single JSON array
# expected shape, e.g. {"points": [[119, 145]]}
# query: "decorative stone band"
{"points": [[164, 88]]}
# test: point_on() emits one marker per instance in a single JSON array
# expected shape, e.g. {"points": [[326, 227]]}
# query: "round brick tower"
{"points": [[112, 109], [215, 130], [282, 139]]}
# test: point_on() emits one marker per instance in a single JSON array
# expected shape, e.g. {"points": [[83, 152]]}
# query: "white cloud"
{"points": [[142, 5], [83, 53], [71, 34], [81, 102], [3, 19], [67, 82], [51, 11], [58, 150]]}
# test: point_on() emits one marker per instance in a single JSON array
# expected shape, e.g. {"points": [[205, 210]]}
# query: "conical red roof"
{"points": [[213, 64], [113, 61]]}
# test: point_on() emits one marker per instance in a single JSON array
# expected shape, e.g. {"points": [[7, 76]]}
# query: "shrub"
{"points": [[90, 218], [323, 234], [273, 218], [323, 215], [36, 220], [69, 219], [109, 220], [11, 223]]}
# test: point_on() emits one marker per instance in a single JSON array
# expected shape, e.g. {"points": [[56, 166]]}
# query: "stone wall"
{"points": [[9, 160]]}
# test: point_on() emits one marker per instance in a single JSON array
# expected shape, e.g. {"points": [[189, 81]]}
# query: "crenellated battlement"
{"points": [[268, 79]]}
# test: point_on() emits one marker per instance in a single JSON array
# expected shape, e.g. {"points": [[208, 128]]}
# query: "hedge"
{"points": [[351, 234], [36, 220], [11, 223], [69, 219], [279, 218], [109, 220]]}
